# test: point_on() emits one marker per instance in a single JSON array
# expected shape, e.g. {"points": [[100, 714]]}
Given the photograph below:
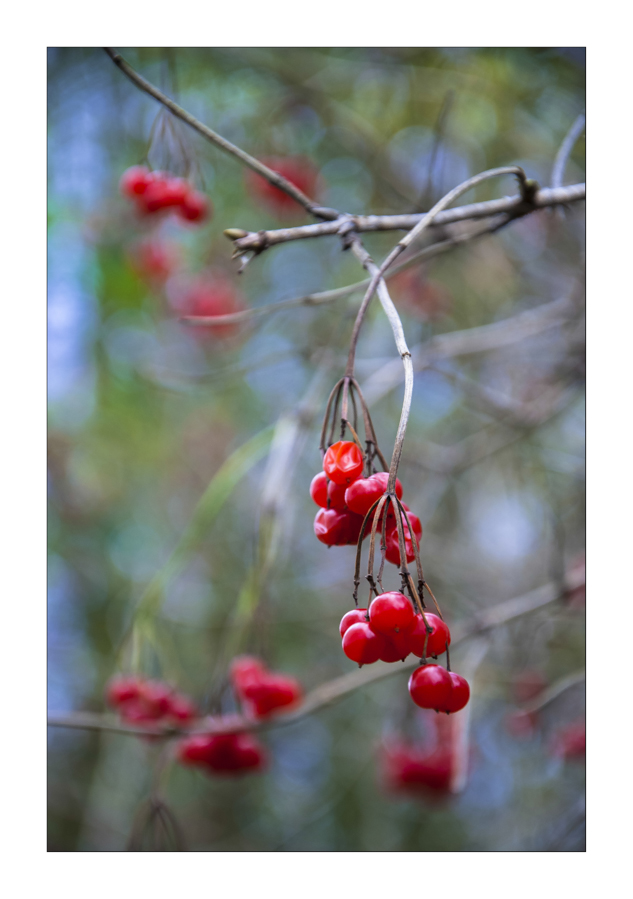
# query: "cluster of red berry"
{"points": [[155, 192], [346, 497], [141, 701], [390, 631], [425, 769], [261, 692], [296, 169]]}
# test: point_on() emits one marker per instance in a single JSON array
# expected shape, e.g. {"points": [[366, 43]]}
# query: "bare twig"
{"points": [[515, 206], [336, 689], [329, 296]]}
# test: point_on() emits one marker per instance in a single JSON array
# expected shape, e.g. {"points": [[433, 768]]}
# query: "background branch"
{"points": [[336, 689]]}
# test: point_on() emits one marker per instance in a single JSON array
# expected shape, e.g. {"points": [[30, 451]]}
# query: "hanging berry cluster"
{"points": [[261, 692], [140, 701], [156, 192], [395, 623]]}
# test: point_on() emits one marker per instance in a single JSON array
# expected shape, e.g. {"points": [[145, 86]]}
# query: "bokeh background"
{"points": [[144, 411]]}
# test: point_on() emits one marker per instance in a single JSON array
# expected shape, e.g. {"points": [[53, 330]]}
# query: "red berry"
{"points": [[393, 545], [318, 489], [416, 524], [156, 195], [298, 170], [353, 617], [391, 613], [206, 296], [363, 645], [222, 753], [181, 709], [269, 692], [336, 496], [430, 687], [244, 670], [336, 528], [152, 703], [121, 690], [407, 768], [343, 462], [438, 638], [154, 260], [134, 181], [195, 207], [330, 527], [363, 493], [570, 742], [460, 694], [393, 651]]}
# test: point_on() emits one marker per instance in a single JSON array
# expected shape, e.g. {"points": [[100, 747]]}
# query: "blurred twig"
{"points": [[336, 689], [565, 149], [554, 691]]}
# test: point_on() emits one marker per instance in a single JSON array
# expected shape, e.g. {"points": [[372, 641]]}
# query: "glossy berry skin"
{"points": [[416, 524], [134, 181], [318, 489], [336, 528], [363, 493], [391, 613], [336, 496], [460, 694], [343, 462], [362, 645], [393, 651], [393, 545], [355, 616], [430, 687], [296, 169], [438, 638]]}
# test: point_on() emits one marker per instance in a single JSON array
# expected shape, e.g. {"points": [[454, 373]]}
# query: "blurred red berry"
{"points": [[222, 753], [570, 741], [154, 260], [134, 181], [422, 297], [121, 690], [296, 169], [207, 296], [195, 207]]}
